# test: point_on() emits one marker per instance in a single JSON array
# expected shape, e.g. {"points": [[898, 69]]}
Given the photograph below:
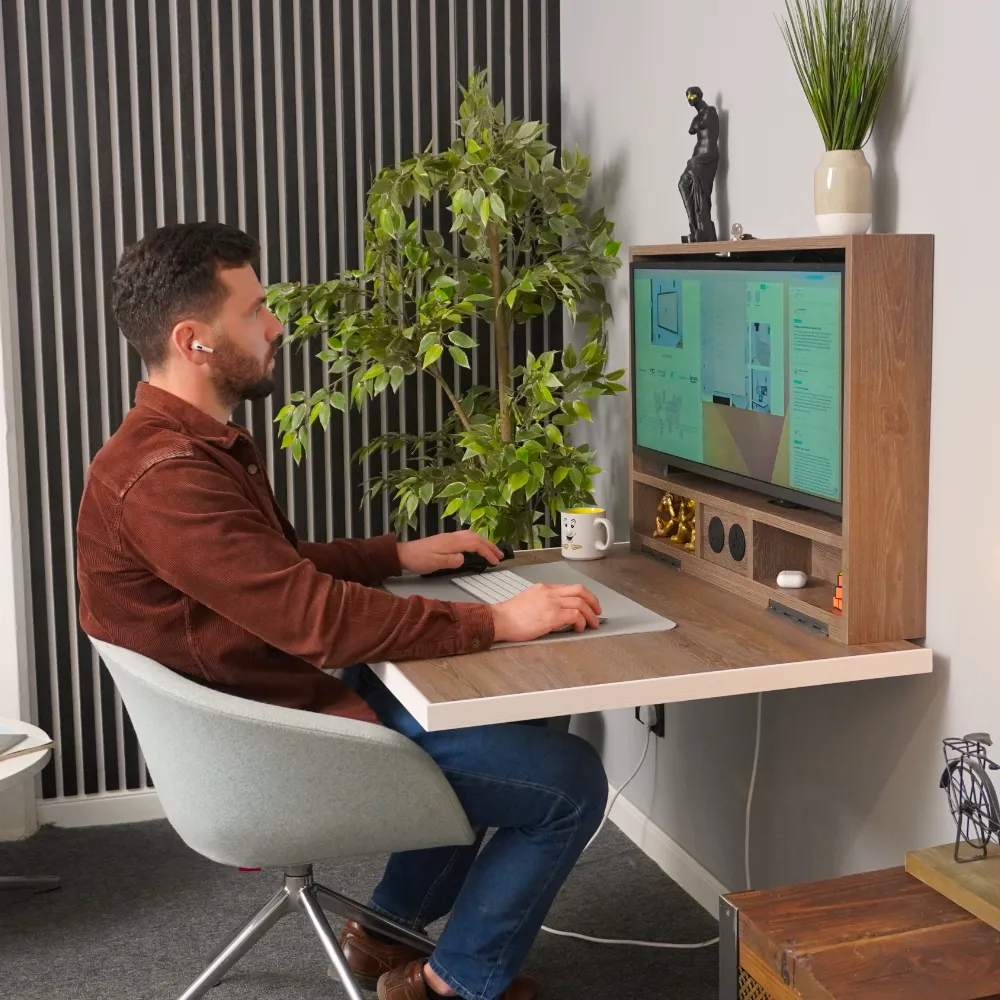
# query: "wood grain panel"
{"points": [[878, 935], [775, 550], [814, 600], [825, 562], [887, 390], [975, 886], [724, 559], [716, 631], [811, 523], [740, 246]]}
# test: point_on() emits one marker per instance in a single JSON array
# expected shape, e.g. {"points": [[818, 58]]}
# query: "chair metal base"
{"points": [[40, 883], [301, 894]]}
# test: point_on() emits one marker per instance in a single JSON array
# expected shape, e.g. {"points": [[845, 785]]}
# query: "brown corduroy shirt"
{"points": [[184, 556]]}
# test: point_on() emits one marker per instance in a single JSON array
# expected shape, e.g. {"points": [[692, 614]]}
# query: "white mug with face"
{"points": [[580, 533]]}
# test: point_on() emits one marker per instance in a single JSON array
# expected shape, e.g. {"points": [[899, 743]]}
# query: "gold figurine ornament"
{"points": [[675, 521]]}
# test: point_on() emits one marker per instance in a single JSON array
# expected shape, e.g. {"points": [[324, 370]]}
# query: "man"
{"points": [[184, 556]]}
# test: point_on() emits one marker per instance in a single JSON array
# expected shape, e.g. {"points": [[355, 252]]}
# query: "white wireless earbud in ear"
{"points": [[198, 346]]}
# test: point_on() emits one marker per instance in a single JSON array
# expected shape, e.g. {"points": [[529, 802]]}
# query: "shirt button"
{"points": [[252, 469]]}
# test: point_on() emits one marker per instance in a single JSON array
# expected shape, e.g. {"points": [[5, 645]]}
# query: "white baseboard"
{"points": [[699, 883], [101, 810]]}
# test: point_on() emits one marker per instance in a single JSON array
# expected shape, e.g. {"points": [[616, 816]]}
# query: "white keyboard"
{"points": [[492, 588], [499, 585]]}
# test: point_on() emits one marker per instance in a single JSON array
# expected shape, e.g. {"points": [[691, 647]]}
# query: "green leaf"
{"points": [[412, 502], [426, 492], [553, 434], [497, 205], [396, 376], [433, 353], [492, 174], [452, 489], [453, 506], [526, 130], [517, 481], [484, 210], [459, 356], [477, 514], [560, 474], [373, 372], [427, 341], [338, 400], [569, 357], [576, 476], [460, 339], [544, 531], [297, 450], [581, 409]]}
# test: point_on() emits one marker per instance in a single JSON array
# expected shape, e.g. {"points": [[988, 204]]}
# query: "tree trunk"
{"points": [[501, 334]]}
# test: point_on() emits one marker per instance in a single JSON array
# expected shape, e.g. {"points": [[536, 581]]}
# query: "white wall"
{"points": [[17, 805], [848, 775]]}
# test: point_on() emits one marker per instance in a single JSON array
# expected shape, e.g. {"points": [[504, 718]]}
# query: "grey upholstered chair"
{"points": [[254, 786]]}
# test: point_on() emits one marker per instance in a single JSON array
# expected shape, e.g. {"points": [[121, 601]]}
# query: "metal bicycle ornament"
{"points": [[971, 795]]}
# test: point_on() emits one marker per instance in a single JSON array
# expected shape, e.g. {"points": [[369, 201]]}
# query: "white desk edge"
{"points": [[650, 690]]}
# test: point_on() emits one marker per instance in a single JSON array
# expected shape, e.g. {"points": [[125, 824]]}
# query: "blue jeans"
{"points": [[545, 793]]}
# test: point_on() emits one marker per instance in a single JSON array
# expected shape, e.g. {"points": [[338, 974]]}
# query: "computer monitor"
{"points": [[737, 373]]}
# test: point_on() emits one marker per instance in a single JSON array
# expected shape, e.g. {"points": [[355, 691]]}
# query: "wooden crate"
{"points": [[877, 936]]}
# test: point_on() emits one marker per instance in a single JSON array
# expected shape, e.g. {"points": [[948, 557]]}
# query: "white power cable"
{"points": [[607, 813], [753, 781]]}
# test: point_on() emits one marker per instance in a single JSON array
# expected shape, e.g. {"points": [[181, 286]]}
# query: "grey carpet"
{"points": [[139, 913]]}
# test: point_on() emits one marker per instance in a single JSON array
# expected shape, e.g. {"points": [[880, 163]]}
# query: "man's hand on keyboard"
{"points": [[445, 551], [542, 609]]}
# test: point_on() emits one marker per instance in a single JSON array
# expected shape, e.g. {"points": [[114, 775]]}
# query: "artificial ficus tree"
{"points": [[505, 457]]}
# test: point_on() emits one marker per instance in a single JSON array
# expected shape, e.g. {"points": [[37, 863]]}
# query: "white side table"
{"points": [[14, 770]]}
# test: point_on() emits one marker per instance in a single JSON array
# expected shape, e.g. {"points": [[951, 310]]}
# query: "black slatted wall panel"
{"points": [[124, 115]]}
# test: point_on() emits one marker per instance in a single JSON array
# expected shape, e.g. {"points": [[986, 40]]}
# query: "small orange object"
{"points": [[838, 594]]}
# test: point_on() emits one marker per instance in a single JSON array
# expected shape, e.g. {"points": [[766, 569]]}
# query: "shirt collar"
{"points": [[195, 422]]}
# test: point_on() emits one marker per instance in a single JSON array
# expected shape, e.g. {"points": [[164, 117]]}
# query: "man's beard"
{"points": [[238, 376]]}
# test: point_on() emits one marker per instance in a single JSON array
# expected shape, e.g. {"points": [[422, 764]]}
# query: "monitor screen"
{"points": [[736, 371]]}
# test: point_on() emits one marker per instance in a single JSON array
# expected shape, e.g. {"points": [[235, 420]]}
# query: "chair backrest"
{"points": [[250, 784]]}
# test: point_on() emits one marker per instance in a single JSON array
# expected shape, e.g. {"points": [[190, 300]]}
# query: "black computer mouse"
{"points": [[473, 562]]}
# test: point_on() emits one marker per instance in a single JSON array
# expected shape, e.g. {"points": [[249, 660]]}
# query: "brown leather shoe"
{"points": [[369, 958], [407, 983]]}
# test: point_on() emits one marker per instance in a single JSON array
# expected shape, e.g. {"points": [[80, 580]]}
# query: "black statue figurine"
{"points": [[699, 175]]}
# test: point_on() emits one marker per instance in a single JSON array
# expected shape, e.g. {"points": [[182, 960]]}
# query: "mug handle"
{"points": [[611, 535]]}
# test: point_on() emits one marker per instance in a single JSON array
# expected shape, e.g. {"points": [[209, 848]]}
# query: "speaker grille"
{"points": [[750, 989]]}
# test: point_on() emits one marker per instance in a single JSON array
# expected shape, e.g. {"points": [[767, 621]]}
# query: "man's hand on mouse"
{"points": [[542, 609], [445, 551]]}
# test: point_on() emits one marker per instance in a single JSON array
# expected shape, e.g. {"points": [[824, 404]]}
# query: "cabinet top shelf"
{"points": [[807, 523], [770, 245]]}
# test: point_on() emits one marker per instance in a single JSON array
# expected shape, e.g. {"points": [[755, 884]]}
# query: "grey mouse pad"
{"points": [[624, 615]]}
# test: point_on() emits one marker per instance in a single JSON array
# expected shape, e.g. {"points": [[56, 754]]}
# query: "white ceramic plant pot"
{"points": [[842, 190]]}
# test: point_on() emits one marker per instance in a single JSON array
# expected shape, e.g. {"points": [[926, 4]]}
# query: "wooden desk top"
{"points": [[722, 645], [881, 935]]}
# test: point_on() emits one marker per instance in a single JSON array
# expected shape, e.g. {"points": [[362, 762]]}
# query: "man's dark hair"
{"points": [[172, 273]]}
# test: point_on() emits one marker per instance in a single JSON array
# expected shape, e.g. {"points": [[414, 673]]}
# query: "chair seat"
{"points": [[258, 786]]}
